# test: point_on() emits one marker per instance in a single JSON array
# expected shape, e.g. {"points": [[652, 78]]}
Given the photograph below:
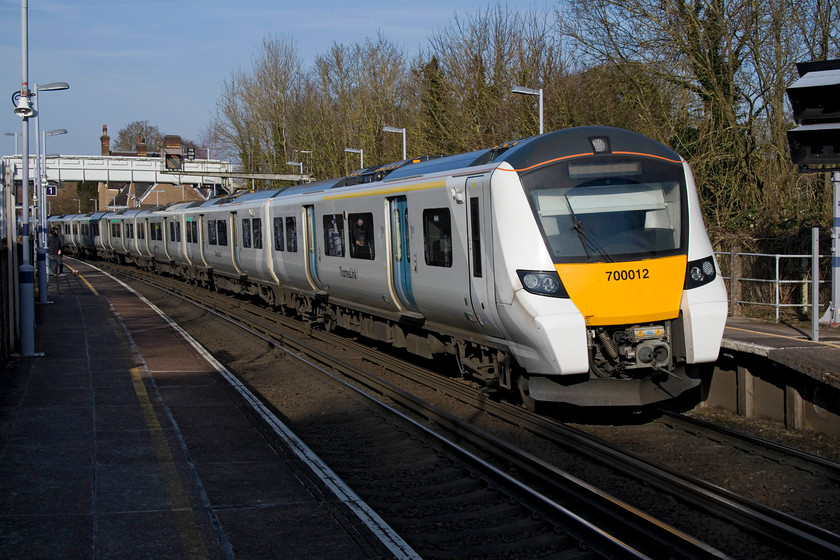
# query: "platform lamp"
{"points": [[298, 163], [397, 130], [26, 272], [361, 153], [40, 188], [531, 91]]}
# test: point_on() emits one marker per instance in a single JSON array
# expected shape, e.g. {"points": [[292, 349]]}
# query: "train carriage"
{"points": [[573, 265]]}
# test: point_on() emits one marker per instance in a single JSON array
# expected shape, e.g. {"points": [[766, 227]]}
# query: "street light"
{"points": [[40, 186], [361, 153], [15, 134], [308, 153], [296, 163], [40, 159], [530, 91], [399, 130], [26, 271], [79, 200], [95, 204]]}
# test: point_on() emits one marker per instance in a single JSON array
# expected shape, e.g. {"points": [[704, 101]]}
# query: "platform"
{"points": [[789, 346], [126, 440]]}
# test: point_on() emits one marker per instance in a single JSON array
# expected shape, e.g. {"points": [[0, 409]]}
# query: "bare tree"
{"points": [[129, 135]]}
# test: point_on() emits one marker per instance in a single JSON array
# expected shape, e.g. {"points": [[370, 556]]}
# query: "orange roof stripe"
{"points": [[555, 160]]}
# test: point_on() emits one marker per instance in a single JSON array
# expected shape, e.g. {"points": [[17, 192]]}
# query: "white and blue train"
{"points": [[573, 266]]}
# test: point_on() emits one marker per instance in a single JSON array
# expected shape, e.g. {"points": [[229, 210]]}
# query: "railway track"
{"points": [[631, 531]]}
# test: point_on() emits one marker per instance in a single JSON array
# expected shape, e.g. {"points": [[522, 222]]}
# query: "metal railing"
{"points": [[785, 273], [781, 298]]}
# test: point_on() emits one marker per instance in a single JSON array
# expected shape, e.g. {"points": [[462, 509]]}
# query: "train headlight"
{"points": [[542, 283], [699, 273]]}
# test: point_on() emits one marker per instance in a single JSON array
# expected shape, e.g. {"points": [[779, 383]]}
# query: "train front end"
{"points": [[619, 217]]}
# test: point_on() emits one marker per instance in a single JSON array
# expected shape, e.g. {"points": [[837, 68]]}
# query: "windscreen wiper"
{"points": [[585, 236]]}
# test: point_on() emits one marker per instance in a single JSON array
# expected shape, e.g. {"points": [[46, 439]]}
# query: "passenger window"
{"points": [[361, 236], [211, 232], [221, 226], [257, 223], [437, 237], [246, 232], [279, 245], [291, 235], [334, 235]]}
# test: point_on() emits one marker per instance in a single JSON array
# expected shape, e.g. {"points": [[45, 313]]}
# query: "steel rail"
{"points": [[657, 535], [784, 530]]}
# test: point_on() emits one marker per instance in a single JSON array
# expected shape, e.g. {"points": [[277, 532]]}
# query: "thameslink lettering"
{"points": [[349, 273]]}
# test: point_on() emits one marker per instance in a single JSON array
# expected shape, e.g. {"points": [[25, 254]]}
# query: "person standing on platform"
{"points": [[56, 248]]}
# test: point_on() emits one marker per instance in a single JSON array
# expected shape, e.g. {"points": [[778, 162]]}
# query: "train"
{"points": [[570, 267]]}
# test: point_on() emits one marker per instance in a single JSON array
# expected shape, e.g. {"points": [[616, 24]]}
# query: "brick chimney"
{"points": [[105, 140], [172, 142], [141, 146]]}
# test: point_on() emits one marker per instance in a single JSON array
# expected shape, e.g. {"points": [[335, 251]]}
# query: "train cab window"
{"points": [[211, 232], [221, 233], [291, 235], [246, 233], [437, 237], [334, 235], [361, 236], [257, 229], [279, 239]]}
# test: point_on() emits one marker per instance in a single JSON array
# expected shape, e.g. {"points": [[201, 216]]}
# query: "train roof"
{"points": [[536, 151]]}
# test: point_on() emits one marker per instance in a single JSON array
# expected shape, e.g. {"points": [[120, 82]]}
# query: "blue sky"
{"points": [[164, 61]]}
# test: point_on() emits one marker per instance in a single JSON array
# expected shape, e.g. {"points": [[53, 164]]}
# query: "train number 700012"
{"points": [[632, 274]]}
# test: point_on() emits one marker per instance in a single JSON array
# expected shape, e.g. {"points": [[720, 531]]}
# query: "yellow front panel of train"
{"points": [[621, 293]]}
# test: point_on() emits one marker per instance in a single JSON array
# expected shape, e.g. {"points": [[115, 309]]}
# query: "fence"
{"points": [[784, 283]]}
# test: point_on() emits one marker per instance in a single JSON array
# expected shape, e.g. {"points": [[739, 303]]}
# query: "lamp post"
{"points": [[530, 91], [361, 153], [15, 134], [96, 204], [398, 130], [79, 200], [296, 163], [40, 158], [43, 209], [40, 188], [26, 272]]}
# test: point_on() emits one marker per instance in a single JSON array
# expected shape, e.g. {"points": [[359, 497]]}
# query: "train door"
{"points": [[201, 229], [234, 242], [480, 255], [310, 252], [167, 236], [401, 253]]}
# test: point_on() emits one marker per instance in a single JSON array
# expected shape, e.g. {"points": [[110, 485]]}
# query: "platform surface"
{"points": [[123, 441]]}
